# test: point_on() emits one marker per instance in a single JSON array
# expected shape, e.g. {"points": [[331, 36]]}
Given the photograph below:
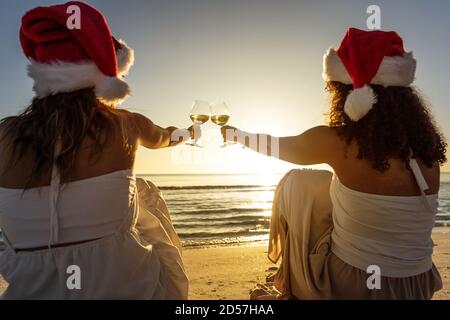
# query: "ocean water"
{"points": [[219, 209], [231, 209], [235, 209], [443, 216]]}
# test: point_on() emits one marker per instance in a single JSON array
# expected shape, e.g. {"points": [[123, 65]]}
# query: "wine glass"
{"points": [[199, 115], [220, 116]]}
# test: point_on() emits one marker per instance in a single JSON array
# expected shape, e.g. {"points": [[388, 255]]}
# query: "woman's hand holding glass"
{"points": [[220, 116], [229, 134]]}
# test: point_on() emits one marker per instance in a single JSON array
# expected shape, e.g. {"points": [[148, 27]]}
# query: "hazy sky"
{"points": [[264, 58]]}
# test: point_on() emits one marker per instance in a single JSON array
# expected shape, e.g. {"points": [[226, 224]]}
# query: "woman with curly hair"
{"points": [[364, 231]]}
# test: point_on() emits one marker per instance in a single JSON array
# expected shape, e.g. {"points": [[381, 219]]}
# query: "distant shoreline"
{"points": [[218, 174], [205, 174]]}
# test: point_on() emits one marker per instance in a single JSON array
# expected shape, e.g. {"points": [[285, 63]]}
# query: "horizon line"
{"points": [[204, 174], [220, 173]]}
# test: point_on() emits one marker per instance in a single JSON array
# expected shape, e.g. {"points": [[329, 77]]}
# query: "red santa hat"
{"points": [[364, 58], [63, 59]]}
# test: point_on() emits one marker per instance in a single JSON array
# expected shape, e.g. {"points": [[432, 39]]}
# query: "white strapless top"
{"points": [[137, 254], [391, 232], [87, 209]]}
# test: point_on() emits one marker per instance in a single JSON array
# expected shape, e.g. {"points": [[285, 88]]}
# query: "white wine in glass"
{"points": [[199, 115], [221, 116], [220, 120], [199, 118]]}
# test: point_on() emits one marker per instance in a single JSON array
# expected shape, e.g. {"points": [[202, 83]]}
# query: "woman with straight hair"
{"points": [[76, 222]]}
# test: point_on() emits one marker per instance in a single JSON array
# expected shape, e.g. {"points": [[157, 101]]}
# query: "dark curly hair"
{"points": [[398, 122]]}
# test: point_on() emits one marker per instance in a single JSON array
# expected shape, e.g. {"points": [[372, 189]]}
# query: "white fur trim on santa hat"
{"points": [[57, 77], [359, 102], [52, 78], [393, 71], [125, 58]]}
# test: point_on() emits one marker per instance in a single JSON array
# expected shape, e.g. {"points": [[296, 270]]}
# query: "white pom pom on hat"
{"points": [[359, 102], [365, 58], [112, 90]]}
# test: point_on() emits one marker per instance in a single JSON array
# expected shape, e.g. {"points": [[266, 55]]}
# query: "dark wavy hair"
{"points": [[71, 117], [399, 122]]}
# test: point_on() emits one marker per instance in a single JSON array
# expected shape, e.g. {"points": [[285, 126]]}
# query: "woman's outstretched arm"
{"points": [[153, 136], [313, 146]]}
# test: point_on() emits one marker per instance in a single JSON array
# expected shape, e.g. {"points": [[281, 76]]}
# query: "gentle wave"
{"points": [[219, 211], [225, 241], [222, 224], [215, 187], [227, 213], [190, 235], [253, 218]]}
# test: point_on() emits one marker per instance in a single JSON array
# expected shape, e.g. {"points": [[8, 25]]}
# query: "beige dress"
{"points": [[301, 234]]}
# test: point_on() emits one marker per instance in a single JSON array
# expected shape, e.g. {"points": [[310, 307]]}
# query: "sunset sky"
{"points": [[264, 58]]}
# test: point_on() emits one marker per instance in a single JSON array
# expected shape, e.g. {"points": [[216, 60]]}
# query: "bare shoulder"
{"points": [[134, 117], [141, 123], [324, 135], [324, 131], [432, 175], [315, 145], [123, 113], [326, 139], [135, 122]]}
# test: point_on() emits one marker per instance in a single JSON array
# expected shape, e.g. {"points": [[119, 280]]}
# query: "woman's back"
{"points": [[94, 200], [399, 227], [117, 154], [89, 220], [359, 174], [87, 209]]}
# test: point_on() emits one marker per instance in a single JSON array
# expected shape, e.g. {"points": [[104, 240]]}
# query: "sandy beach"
{"points": [[230, 272]]}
